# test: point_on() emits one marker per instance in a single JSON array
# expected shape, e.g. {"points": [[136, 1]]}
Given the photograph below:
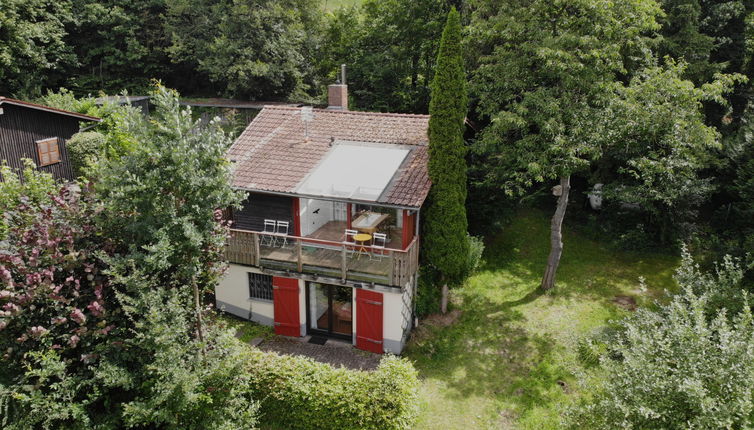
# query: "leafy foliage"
{"points": [[32, 45], [101, 333], [390, 47], [84, 149], [163, 198], [543, 77], [656, 147], [688, 364], [119, 44], [250, 48], [298, 393]]}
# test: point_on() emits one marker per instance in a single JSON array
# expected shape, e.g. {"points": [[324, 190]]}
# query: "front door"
{"points": [[330, 310]]}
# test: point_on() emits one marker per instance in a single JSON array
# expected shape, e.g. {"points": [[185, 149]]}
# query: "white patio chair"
{"points": [[349, 242], [282, 233], [379, 240], [268, 234]]}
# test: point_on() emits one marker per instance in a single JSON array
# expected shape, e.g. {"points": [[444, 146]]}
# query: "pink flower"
{"points": [[12, 308], [3, 324], [58, 320], [78, 316], [96, 309], [38, 331], [5, 294], [73, 341]]}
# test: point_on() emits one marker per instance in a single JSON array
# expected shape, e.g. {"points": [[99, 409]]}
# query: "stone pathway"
{"points": [[334, 352]]}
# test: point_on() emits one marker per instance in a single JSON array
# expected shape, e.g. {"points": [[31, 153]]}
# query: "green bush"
{"points": [[299, 393], [84, 149], [688, 364]]}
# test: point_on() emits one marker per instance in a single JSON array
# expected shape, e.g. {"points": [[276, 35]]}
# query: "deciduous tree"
{"points": [[545, 76]]}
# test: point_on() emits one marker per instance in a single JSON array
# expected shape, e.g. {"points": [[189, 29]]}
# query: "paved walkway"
{"points": [[334, 352]]}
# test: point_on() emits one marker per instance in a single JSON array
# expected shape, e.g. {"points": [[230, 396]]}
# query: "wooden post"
{"points": [[299, 256], [392, 262], [255, 237], [343, 268]]}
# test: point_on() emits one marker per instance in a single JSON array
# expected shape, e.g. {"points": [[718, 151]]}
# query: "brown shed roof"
{"points": [[274, 155], [47, 109]]}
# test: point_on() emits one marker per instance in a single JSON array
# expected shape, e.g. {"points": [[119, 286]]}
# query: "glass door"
{"points": [[330, 309]]}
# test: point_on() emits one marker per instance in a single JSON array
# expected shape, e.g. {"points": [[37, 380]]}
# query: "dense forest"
{"points": [[619, 131]]}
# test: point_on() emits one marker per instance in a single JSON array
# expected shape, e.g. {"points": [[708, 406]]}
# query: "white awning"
{"points": [[354, 170]]}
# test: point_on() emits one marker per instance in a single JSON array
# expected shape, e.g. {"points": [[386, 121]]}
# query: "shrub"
{"points": [[84, 149], [476, 249], [299, 393], [684, 365]]}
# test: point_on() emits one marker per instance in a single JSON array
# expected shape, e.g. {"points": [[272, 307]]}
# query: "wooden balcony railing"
{"points": [[347, 261]]}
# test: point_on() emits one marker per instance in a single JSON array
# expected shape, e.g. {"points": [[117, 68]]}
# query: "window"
{"points": [[260, 286], [48, 151]]}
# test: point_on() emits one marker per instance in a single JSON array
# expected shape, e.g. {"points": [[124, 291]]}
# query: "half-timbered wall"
{"points": [[21, 128]]}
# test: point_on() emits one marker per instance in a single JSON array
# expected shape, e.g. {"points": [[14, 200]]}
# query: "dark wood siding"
{"points": [[21, 127], [259, 207]]}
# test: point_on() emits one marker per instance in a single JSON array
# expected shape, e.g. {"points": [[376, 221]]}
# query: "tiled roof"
{"points": [[48, 109], [273, 153]]}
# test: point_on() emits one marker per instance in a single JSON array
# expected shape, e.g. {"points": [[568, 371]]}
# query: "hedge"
{"points": [[299, 393]]}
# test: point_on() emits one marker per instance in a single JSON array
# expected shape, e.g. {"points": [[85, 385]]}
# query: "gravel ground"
{"points": [[334, 352]]}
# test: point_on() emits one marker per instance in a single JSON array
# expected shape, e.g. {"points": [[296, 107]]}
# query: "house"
{"points": [[37, 132], [327, 242]]}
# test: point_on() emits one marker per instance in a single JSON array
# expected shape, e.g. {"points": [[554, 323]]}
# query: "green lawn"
{"points": [[510, 361]]}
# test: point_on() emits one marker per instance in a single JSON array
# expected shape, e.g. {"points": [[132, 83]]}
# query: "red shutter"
{"points": [[409, 224], [369, 320], [285, 301]]}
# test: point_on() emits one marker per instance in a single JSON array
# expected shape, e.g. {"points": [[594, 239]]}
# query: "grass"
{"points": [[246, 330], [510, 360]]}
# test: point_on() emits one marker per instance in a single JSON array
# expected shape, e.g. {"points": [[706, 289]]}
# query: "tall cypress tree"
{"points": [[445, 244]]}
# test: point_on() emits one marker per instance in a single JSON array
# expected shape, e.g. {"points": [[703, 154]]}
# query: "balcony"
{"points": [[346, 261]]}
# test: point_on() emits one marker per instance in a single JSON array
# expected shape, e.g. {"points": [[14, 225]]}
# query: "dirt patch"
{"points": [[425, 328], [626, 302], [442, 320]]}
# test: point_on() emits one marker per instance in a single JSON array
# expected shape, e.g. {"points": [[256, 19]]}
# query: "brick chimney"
{"points": [[337, 94]]}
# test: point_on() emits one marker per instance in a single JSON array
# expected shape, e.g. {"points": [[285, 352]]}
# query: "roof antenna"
{"points": [[307, 114]]}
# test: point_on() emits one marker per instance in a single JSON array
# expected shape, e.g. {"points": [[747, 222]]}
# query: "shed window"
{"points": [[48, 151], [260, 286]]}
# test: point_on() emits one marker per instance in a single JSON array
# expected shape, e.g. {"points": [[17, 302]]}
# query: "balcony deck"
{"points": [[333, 231], [331, 258]]}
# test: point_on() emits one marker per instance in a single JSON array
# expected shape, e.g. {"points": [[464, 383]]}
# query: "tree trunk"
{"points": [[556, 236], [198, 309], [445, 298]]}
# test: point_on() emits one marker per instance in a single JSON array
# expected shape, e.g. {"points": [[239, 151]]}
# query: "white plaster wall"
{"points": [[392, 316], [310, 221], [233, 291]]}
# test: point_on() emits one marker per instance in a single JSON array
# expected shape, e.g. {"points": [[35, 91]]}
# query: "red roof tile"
{"points": [[273, 154]]}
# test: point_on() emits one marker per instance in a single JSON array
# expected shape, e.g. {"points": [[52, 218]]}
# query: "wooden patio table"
{"points": [[369, 221]]}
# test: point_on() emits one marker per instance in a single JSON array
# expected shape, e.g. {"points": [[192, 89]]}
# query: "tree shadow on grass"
{"points": [[492, 352]]}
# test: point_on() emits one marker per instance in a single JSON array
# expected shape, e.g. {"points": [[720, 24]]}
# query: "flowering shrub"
{"points": [[53, 294]]}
